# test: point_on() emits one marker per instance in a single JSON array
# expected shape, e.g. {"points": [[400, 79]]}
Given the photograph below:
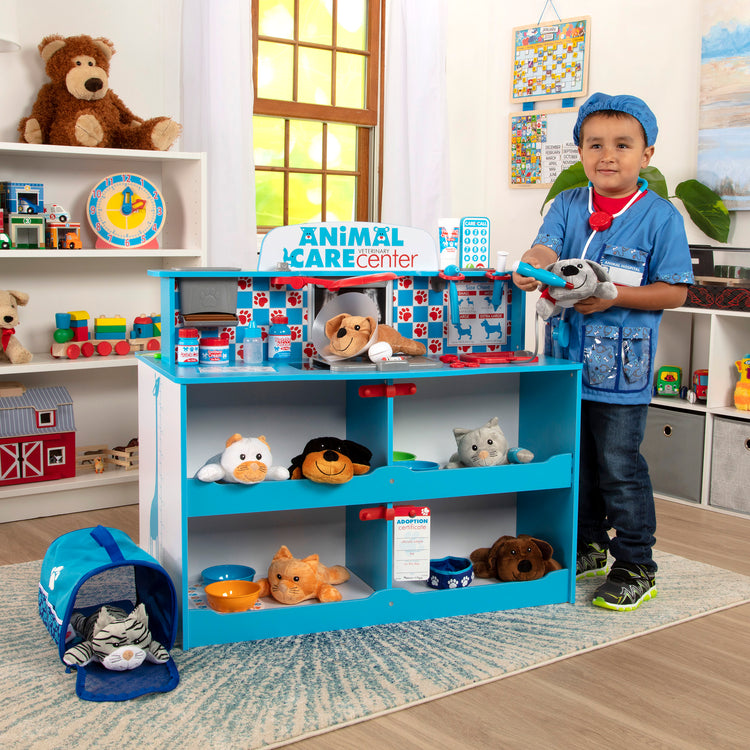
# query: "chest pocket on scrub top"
{"points": [[625, 265], [617, 358]]}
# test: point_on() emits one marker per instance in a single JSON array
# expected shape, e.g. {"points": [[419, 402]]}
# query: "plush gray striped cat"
{"points": [[118, 640]]}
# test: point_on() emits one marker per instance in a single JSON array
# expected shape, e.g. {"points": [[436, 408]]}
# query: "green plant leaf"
{"points": [[705, 208], [572, 177], [656, 181]]}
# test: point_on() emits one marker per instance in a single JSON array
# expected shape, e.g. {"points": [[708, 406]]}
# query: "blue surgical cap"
{"points": [[630, 105]]}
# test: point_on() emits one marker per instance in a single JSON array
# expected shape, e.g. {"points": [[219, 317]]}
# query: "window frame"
{"points": [[365, 119]]}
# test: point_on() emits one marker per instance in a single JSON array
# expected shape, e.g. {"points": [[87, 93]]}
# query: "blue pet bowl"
{"points": [[227, 573], [417, 465], [450, 573]]}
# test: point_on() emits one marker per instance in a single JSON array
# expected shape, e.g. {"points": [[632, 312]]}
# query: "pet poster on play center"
{"points": [[551, 60], [474, 318]]}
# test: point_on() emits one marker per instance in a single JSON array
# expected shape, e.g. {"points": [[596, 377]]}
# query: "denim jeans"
{"points": [[615, 488]]}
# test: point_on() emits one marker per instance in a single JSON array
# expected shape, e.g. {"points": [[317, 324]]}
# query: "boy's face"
{"points": [[613, 152]]}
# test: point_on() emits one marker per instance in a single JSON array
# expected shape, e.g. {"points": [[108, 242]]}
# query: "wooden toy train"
{"points": [[72, 338]]}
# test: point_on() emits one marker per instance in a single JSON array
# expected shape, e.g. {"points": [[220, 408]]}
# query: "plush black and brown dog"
{"points": [[521, 558], [331, 460]]}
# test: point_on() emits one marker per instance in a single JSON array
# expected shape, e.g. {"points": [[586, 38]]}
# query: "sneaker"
{"points": [[627, 585], [591, 560]]}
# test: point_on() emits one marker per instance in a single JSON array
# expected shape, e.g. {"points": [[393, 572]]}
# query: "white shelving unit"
{"points": [[102, 282], [696, 338]]}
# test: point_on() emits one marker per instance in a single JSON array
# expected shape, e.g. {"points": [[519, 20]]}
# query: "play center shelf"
{"points": [[186, 414], [101, 281]]}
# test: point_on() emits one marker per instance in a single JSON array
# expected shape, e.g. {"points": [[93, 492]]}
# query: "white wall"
{"points": [[639, 47], [649, 49], [144, 72]]}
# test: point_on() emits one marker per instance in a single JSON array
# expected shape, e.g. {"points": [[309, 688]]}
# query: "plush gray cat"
{"points": [[485, 446]]}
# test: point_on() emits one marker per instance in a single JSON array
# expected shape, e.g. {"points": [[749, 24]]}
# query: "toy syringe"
{"points": [[540, 274]]}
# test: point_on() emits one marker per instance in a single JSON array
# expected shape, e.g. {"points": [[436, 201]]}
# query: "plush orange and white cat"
{"points": [[291, 580]]}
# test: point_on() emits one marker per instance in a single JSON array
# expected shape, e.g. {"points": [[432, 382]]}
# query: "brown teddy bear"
{"points": [[10, 346], [79, 109], [521, 558]]}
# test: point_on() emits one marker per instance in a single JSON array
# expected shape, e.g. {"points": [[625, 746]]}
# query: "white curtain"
{"points": [[217, 106], [416, 174]]}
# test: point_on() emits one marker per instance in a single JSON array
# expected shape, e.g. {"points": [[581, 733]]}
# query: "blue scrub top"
{"points": [[645, 244]]}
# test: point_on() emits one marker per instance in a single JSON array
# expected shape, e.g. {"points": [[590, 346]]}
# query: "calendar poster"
{"points": [[551, 60], [541, 146]]}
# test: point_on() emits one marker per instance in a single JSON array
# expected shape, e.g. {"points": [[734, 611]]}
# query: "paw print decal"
{"points": [[420, 330], [294, 299], [244, 316], [420, 297], [260, 299], [405, 314], [435, 313]]}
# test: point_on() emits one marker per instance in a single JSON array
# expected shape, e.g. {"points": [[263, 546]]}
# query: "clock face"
{"points": [[126, 210]]}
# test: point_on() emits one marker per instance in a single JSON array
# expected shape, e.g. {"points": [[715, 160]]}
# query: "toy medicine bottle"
{"points": [[187, 346], [252, 346], [279, 338]]}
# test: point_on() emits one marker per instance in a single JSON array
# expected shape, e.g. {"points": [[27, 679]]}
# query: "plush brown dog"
{"points": [[348, 336], [78, 108], [521, 558], [331, 460]]}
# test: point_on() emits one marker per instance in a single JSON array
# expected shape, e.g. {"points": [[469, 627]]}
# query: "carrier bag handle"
{"points": [[106, 540]]}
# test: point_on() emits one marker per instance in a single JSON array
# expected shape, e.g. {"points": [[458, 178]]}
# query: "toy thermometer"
{"points": [[540, 274]]}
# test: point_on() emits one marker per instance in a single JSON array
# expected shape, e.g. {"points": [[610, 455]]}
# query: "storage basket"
{"points": [[88, 568]]}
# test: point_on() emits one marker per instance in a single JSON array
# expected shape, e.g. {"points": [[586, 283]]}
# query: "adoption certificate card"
{"points": [[411, 543]]}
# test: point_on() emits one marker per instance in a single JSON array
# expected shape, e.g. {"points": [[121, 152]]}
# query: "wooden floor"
{"points": [[684, 687]]}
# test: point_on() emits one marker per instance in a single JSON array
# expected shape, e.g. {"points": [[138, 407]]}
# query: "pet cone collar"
{"points": [[353, 303]]}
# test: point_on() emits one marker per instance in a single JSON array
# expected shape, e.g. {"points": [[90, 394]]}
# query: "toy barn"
{"points": [[37, 435]]}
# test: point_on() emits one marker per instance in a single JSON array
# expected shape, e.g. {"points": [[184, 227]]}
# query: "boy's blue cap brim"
{"points": [[630, 105]]}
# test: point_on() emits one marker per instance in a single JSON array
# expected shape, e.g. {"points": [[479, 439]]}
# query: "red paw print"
{"points": [[227, 333], [420, 297], [309, 349], [406, 282], [435, 313], [244, 317], [244, 284], [260, 299], [405, 314], [420, 330], [435, 346], [296, 333], [294, 299]]}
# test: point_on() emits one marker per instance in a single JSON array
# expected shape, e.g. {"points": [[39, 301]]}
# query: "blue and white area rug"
{"points": [[266, 694]]}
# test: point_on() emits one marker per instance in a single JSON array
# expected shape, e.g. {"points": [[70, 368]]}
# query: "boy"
{"points": [[640, 239]]}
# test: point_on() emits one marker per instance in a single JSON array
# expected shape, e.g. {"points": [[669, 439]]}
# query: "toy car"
{"points": [[700, 384], [55, 212], [668, 381], [24, 207], [72, 241], [4, 241]]}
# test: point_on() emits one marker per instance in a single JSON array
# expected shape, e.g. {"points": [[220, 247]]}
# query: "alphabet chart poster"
{"points": [[541, 146], [551, 60]]}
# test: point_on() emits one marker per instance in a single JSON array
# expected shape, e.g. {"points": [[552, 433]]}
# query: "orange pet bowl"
{"points": [[232, 596]]}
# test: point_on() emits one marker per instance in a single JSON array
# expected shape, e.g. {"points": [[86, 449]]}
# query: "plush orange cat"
{"points": [[291, 581]]}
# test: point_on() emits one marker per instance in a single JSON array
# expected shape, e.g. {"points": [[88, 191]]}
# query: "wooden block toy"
{"points": [[26, 231], [23, 197], [61, 235], [77, 315]]}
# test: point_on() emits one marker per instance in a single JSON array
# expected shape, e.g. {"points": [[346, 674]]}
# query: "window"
{"points": [[46, 418], [316, 68]]}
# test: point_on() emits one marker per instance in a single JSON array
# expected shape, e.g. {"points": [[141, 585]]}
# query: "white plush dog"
{"points": [[244, 461], [10, 346], [589, 279]]}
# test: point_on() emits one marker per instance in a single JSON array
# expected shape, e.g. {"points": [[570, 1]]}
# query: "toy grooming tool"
{"points": [[540, 274]]}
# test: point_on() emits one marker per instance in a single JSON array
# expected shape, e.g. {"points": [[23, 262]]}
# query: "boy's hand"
{"points": [[593, 304], [527, 283]]}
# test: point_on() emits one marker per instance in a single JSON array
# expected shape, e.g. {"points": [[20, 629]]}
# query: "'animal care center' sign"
{"points": [[348, 247]]}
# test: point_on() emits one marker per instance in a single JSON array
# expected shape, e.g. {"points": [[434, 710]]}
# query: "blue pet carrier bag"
{"points": [[88, 568]]}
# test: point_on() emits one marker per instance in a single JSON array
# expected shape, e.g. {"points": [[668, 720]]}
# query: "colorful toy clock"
{"points": [[126, 211]]}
